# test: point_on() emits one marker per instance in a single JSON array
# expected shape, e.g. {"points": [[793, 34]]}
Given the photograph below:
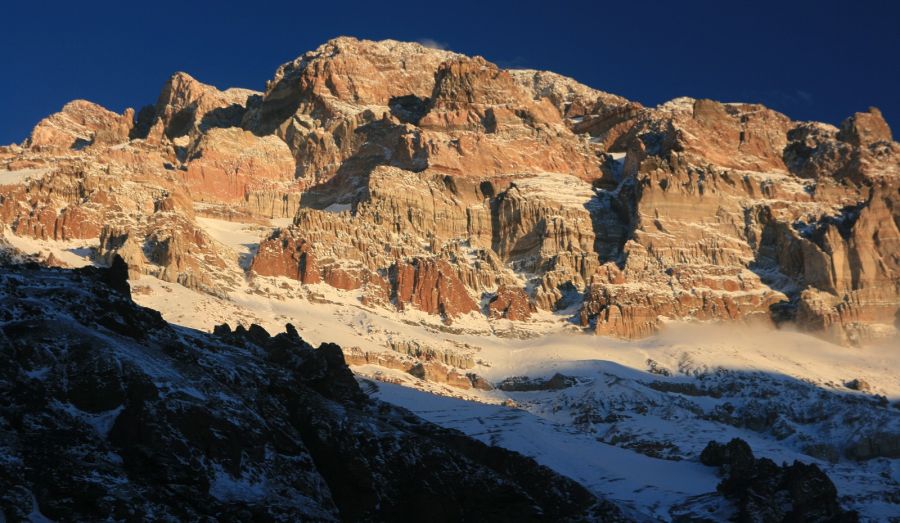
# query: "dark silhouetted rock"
{"points": [[109, 413], [764, 491]]}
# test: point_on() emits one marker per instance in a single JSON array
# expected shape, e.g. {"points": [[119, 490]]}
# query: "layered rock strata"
{"points": [[423, 180]]}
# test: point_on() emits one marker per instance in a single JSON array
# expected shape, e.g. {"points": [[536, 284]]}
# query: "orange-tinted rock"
{"points": [[851, 319], [855, 272], [358, 104], [733, 136], [168, 246], [345, 74], [431, 286], [40, 223], [571, 98], [481, 122], [185, 105], [511, 303], [859, 154], [20, 164], [81, 123], [608, 123], [440, 373], [78, 223], [176, 200], [233, 166], [740, 136], [865, 128], [476, 176], [475, 95], [376, 291], [283, 255], [427, 370], [341, 279]]}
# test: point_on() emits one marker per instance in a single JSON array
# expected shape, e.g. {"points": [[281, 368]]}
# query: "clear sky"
{"points": [[818, 60]]}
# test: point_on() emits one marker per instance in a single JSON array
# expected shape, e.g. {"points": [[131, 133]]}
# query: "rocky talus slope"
{"points": [[109, 412], [424, 180]]}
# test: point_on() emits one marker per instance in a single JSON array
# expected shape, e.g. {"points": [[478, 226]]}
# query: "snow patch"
{"points": [[225, 487], [21, 176]]}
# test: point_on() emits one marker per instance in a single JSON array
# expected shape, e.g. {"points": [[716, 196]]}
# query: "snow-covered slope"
{"points": [[637, 414], [109, 413]]}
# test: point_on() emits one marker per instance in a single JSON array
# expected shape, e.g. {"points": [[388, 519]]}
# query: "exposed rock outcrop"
{"points": [[865, 128], [231, 166], [511, 303], [431, 286], [284, 256], [525, 384], [187, 106], [80, 124], [763, 490]]}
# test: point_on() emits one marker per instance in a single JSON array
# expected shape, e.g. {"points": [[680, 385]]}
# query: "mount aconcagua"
{"points": [[467, 230], [428, 180]]}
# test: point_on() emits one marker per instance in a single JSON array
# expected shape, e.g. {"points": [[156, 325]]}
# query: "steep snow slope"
{"points": [[783, 392]]}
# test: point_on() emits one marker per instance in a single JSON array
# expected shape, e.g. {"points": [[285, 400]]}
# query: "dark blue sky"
{"points": [[818, 60]]}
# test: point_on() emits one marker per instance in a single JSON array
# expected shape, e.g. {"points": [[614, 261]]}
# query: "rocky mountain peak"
{"points": [[81, 123], [865, 128], [345, 75], [185, 105]]}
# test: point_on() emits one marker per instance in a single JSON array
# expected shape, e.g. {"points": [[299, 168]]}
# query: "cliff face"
{"points": [[424, 179]]}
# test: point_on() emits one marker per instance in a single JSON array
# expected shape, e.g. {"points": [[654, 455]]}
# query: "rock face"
{"points": [[427, 180], [80, 124], [511, 303], [235, 167], [108, 411], [765, 491], [865, 128], [524, 384], [289, 258], [431, 286], [425, 363], [186, 106]]}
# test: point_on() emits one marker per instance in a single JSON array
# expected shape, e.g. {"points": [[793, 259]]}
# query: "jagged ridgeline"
{"points": [[109, 412], [426, 180]]}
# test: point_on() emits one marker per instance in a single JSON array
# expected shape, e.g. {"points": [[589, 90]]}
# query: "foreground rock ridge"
{"points": [[424, 180], [764, 491], [107, 412]]}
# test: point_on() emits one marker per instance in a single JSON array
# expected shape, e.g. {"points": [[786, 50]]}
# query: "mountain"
{"points": [[601, 286], [433, 181]]}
